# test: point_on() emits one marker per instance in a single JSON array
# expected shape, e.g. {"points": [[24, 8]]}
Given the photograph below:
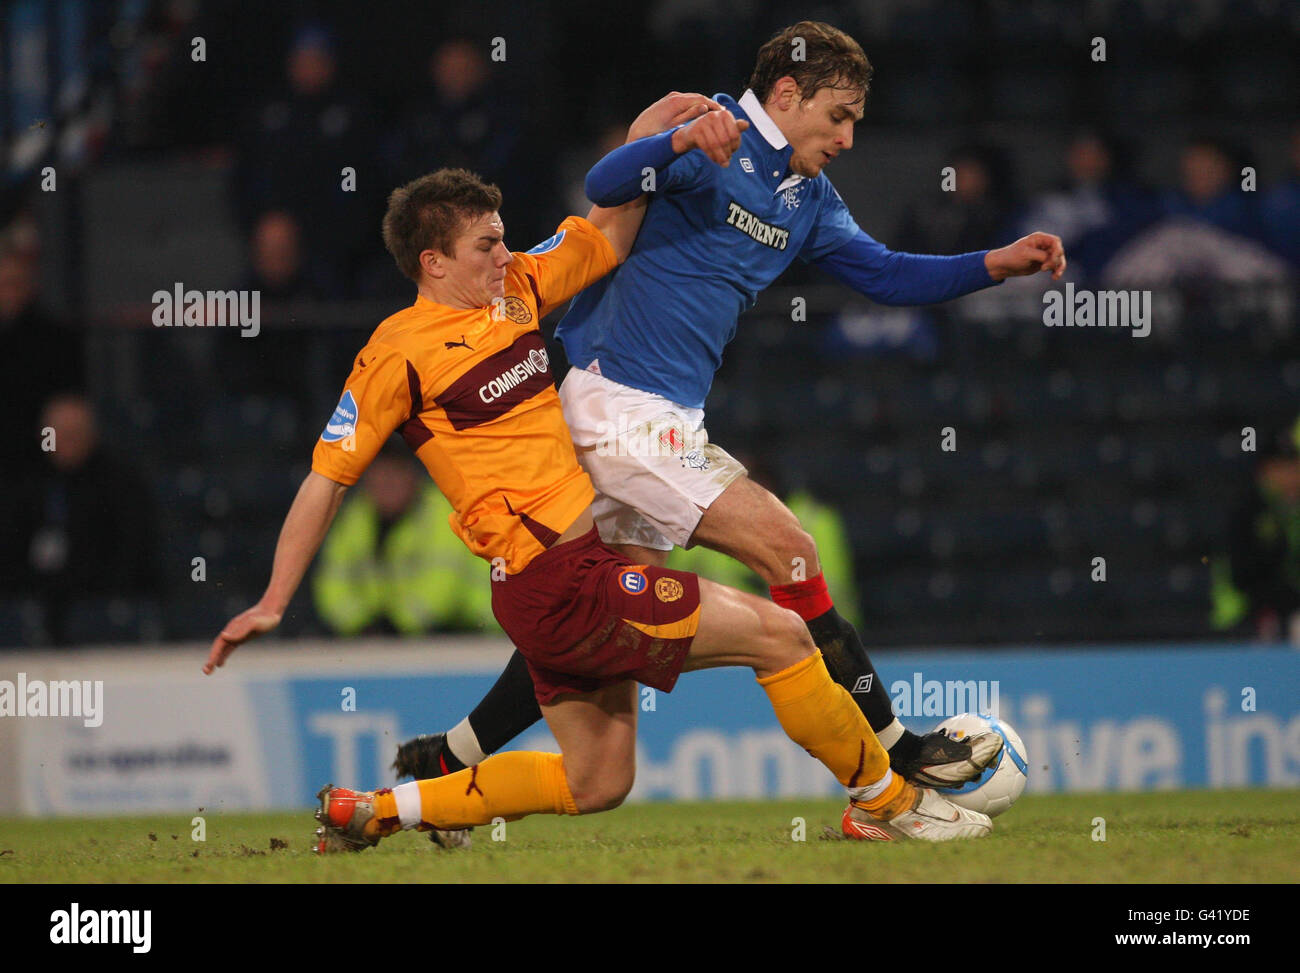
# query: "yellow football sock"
{"points": [[822, 717], [506, 785]]}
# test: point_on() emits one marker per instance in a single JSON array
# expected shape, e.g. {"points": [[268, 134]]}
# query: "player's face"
{"points": [[478, 271], [821, 127]]}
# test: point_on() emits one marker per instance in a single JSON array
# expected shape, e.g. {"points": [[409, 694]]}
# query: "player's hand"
{"points": [[716, 134], [1028, 255], [673, 109], [244, 626]]}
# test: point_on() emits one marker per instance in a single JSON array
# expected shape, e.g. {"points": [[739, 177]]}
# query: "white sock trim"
{"points": [[869, 791], [409, 810], [463, 742], [891, 734]]}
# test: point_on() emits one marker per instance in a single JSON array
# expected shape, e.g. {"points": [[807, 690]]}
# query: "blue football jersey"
{"points": [[711, 240]]}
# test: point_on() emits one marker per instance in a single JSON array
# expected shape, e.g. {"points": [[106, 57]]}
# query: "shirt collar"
{"points": [[778, 143], [761, 120]]}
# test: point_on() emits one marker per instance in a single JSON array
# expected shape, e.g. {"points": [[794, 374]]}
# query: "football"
{"points": [[1002, 782]]}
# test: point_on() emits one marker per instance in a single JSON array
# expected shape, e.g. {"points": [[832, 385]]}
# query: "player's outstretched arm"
{"points": [[304, 529], [902, 279]]}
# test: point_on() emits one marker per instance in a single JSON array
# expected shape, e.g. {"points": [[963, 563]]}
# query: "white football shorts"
{"points": [[650, 459]]}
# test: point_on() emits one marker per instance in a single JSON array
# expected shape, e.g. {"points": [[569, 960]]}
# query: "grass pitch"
{"points": [[1172, 837]]}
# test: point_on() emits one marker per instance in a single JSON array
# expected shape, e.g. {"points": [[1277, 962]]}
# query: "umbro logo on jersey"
{"points": [[750, 225], [746, 164], [863, 685], [459, 344]]}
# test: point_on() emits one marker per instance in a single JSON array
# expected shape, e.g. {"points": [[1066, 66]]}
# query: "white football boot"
{"points": [[932, 818]]}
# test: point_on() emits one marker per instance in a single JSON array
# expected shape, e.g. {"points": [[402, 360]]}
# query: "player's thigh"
{"points": [[751, 524], [637, 554], [740, 629], [596, 732]]}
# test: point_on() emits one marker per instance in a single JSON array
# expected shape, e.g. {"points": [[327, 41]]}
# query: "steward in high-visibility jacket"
{"points": [[413, 575]]}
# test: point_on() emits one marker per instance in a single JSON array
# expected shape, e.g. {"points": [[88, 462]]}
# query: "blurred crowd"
{"points": [[79, 522]]}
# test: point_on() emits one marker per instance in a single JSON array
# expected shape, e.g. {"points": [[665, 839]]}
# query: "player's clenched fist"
{"points": [[239, 630], [716, 134], [673, 109], [1028, 255]]}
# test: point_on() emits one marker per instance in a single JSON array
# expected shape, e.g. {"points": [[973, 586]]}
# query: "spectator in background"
{"points": [[1210, 188], [465, 119], [1280, 210], [293, 155], [1262, 580], [1100, 206], [280, 361], [84, 525], [1211, 233], [974, 215], [392, 564], [45, 358], [278, 270]]}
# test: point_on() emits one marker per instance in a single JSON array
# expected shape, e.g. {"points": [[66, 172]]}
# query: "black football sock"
{"points": [[850, 666], [509, 708]]}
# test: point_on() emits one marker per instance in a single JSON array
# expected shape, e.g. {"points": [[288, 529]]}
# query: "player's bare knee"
{"points": [[602, 794], [784, 641], [790, 555], [601, 788]]}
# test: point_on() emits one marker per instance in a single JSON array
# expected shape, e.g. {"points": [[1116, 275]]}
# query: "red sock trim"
{"points": [[809, 599]]}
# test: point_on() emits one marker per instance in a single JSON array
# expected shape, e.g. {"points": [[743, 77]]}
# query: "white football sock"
{"points": [[891, 734], [868, 791], [463, 743], [408, 804]]}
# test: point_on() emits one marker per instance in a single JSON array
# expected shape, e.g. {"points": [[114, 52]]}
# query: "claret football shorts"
{"points": [[583, 616], [650, 459]]}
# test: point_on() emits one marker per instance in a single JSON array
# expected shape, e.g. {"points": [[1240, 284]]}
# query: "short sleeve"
{"points": [[833, 228], [560, 267], [375, 401]]}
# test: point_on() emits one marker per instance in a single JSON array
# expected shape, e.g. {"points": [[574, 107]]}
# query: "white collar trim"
{"points": [[762, 120]]}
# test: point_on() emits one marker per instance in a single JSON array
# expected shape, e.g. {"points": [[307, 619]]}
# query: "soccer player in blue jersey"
{"points": [[735, 196]]}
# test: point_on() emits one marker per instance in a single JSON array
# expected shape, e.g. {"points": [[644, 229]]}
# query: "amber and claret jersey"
{"points": [[472, 394]]}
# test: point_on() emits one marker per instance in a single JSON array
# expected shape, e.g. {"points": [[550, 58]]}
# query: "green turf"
{"points": [[1200, 836]]}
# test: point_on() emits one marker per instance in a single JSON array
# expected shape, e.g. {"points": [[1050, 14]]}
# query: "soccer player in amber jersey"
{"points": [[462, 375]]}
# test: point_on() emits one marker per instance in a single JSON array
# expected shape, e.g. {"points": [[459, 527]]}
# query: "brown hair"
{"points": [[427, 213], [829, 58]]}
